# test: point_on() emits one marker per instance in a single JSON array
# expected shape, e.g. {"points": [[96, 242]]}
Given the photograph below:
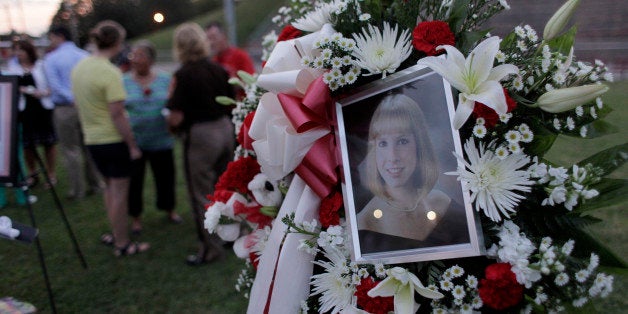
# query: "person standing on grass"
{"points": [[99, 90], [207, 132], [58, 65], [232, 59], [35, 111], [147, 94]]}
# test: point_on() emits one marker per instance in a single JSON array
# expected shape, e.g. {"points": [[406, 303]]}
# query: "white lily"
{"points": [[475, 77], [559, 20], [564, 99], [401, 284]]}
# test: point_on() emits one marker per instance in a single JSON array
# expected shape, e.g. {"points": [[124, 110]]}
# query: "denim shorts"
{"points": [[112, 160]]}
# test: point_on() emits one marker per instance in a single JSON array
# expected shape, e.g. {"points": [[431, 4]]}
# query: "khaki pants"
{"points": [[77, 161], [208, 148]]}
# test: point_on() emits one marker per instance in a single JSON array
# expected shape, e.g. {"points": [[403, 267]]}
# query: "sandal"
{"points": [[107, 239], [204, 258], [131, 248]]}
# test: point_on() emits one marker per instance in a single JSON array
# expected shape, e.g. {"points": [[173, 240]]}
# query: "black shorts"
{"points": [[112, 160]]}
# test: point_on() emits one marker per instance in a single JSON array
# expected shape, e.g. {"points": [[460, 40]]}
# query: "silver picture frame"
{"points": [[452, 229]]}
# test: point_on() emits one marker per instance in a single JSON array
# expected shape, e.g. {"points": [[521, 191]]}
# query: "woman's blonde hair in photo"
{"points": [[399, 113], [190, 43]]}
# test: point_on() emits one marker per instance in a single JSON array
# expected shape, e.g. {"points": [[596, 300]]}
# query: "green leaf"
{"points": [[543, 141], [612, 192], [599, 128], [586, 244], [609, 159], [468, 39], [458, 14], [564, 42]]}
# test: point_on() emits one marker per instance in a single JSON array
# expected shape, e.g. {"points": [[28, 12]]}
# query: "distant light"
{"points": [[158, 17]]}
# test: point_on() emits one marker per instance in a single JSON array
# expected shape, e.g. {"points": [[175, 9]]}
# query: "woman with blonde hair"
{"points": [[401, 171], [204, 125]]}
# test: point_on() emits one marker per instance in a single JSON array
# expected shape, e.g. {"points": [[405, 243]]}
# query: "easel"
{"points": [[12, 175]]}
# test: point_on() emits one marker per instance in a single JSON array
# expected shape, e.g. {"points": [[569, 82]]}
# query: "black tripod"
{"points": [[22, 182]]}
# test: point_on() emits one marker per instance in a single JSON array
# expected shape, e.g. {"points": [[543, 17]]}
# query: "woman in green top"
{"points": [[99, 95]]}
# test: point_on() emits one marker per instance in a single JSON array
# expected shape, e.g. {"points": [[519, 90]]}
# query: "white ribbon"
{"points": [[294, 267], [279, 151]]}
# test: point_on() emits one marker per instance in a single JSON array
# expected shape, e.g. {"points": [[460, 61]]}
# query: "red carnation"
{"points": [[238, 175], [480, 110], [288, 32], [500, 289], [431, 34], [329, 214], [222, 196], [243, 136], [376, 305]]}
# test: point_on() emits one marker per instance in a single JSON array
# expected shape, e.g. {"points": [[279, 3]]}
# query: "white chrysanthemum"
{"points": [[561, 279], [582, 275], [380, 270], [456, 271], [520, 32], [504, 4], [594, 262], [502, 152], [333, 285], [513, 136], [527, 136], [314, 20], [599, 103], [504, 117], [593, 113], [458, 292], [350, 77], [583, 131], [479, 131], [494, 182], [446, 285], [579, 302], [514, 148], [364, 17], [328, 78], [472, 281], [381, 52], [500, 56], [556, 124]]}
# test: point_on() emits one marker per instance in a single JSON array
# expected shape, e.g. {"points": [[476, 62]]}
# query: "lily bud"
{"points": [[224, 100], [558, 21], [564, 99], [246, 77]]}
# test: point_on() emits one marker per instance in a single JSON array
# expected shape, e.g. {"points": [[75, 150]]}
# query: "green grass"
{"points": [[154, 281]]}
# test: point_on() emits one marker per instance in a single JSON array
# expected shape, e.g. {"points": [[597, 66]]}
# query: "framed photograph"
{"points": [[8, 129], [397, 142]]}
